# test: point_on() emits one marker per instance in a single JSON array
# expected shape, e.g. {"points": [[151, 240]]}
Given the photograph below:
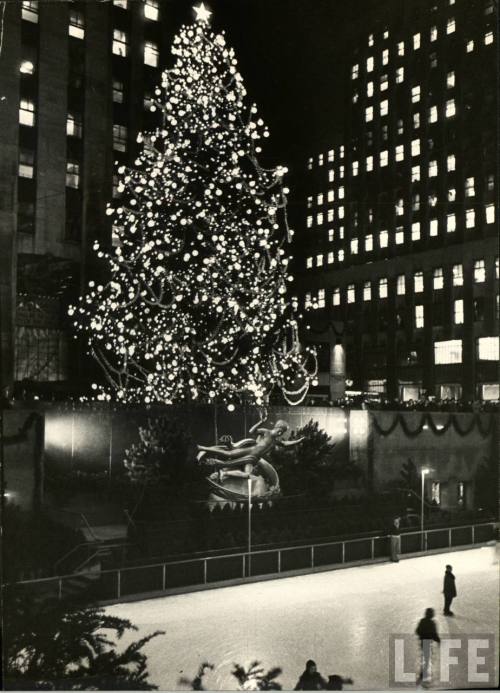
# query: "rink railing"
{"points": [[119, 583]]}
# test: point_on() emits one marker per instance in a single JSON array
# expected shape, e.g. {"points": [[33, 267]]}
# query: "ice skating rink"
{"points": [[341, 619]]}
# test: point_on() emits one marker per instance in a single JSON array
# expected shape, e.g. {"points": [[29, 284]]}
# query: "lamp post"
{"points": [[249, 482], [423, 472]]}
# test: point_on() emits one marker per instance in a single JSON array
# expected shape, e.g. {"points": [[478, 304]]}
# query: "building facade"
{"points": [[76, 84], [397, 272]]}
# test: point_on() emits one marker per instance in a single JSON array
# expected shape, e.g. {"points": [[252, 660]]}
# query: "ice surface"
{"points": [[341, 619]]}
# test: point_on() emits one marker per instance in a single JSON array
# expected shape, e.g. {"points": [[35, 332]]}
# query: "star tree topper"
{"points": [[203, 14]]}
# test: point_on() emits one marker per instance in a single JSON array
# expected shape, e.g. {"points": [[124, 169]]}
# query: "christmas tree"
{"points": [[196, 305]]}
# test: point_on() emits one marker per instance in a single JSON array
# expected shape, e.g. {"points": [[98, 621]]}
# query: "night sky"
{"points": [[292, 55]]}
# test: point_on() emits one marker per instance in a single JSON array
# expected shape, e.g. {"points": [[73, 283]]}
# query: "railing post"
{"points": [[279, 561], [343, 552], [449, 538], [118, 584], [425, 540], [243, 565], [312, 556], [60, 589], [473, 535], [204, 571], [373, 548], [164, 577]]}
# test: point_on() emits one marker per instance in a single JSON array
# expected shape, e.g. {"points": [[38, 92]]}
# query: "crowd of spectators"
{"points": [[431, 404]]}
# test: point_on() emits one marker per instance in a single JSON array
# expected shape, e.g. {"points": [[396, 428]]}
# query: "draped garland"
{"points": [[439, 429]]}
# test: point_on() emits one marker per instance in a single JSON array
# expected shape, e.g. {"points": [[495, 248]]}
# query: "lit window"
{"points": [[400, 75], [384, 158], [450, 26], [450, 79], [309, 221], [310, 163], [341, 212], [330, 257], [418, 282], [354, 246], [385, 56], [27, 112], [401, 48], [469, 187], [331, 175], [451, 223], [336, 296], [452, 194], [151, 10], [450, 108], [415, 202], [72, 174], [382, 287], [470, 46], [400, 126], [121, 3], [489, 8], [320, 159], [331, 234], [319, 260], [386, 34], [384, 107], [384, 82], [321, 298], [27, 67], [416, 41], [416, 120], [490, 182], [415, 94], [490, 214], [434, 33], [369, 163], [400, 235], [26, 163], [383, 239], [433, 114], [415, 231], [487, 349], [433, 227], [331, 196], [369, 114], [470, 218], [120, 43], [437, 279], [367, 291], [451, 162], [479, 271], [488, 38], [458, 275], [331, 155], [341, 192], [449, 351], [319, 218], [369, 89], [76, 26], [340, 255], [400, 206], [319, 199], [355, 168], [433, 168], [355, 97], [117, 91], [369, 243], [151, 54], [309, 262], [73, 125], [419, 317], [330, 215], [29, 11], [307, 300], [415, 174], [458, 311], [309, 202], [354, 71], [119, 138], [351, 293], [385, 133], [369, 64], [401, 285], [415, 147], [490, 392]]}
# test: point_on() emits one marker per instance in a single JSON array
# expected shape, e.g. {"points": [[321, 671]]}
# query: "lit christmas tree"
{"points": [[196, 305]]}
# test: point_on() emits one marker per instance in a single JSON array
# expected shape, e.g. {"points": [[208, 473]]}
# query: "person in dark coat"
{"points": [[427, 633], [311, 679], [449, 590]]}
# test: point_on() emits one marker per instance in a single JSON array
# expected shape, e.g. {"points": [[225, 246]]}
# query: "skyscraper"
{"points": [[399, 231]]}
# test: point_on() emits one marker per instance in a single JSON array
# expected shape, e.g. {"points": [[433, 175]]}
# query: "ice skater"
{"points": [[427, 633], [311, 679], [449, 590]]}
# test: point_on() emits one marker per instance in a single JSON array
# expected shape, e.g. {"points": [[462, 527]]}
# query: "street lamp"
{"points": [[423, 472]]}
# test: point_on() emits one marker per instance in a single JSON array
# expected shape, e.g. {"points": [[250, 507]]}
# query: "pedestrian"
{"points": [[449, 590], [395, 540], [311, 679], [336, 682], [427, 633]]}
